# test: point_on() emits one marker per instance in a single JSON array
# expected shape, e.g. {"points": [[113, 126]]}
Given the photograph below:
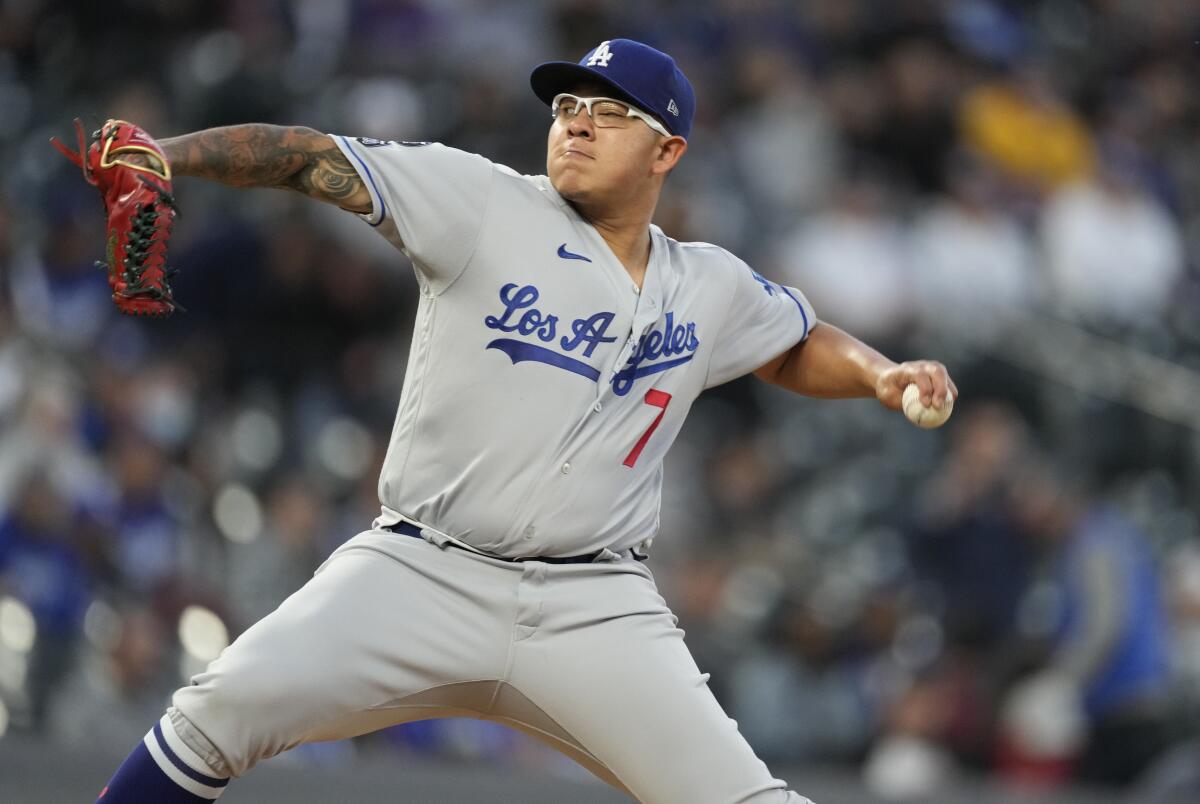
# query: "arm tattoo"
{"points": [[330, 175], [259, 155]]}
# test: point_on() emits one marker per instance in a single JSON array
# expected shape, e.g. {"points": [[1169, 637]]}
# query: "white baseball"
{"points": [[923, 416]]}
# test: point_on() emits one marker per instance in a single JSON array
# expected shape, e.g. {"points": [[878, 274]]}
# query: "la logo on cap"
{"points": [[602, 56]]}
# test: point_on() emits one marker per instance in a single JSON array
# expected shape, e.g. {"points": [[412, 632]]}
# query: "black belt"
{"points": [[409, 529]]}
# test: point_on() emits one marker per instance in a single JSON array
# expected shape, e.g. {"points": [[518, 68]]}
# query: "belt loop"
{"points": [[444, 540], [604, 554], [435, 537]]}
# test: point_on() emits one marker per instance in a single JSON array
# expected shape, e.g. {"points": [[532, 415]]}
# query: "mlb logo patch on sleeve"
{"points": [[371, 142]]}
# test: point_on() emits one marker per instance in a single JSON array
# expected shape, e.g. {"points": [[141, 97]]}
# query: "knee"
{"points": [[232, 689], [223, 716]]}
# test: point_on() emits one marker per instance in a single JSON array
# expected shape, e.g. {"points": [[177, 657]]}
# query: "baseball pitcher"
{"points": [[559, 343]]}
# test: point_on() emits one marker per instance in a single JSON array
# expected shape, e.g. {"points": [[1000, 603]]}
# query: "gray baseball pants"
{"points": [[391, 629]]}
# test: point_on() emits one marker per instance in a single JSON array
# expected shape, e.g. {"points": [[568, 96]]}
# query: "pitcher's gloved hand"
{"points": [[134, 178]]}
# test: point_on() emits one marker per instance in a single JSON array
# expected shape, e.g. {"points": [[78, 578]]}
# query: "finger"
{"points": [[953, 387], [924, 384], [938, 378]]}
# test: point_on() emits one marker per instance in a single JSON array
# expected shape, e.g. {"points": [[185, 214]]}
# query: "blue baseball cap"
{"points": [[647, 78]]}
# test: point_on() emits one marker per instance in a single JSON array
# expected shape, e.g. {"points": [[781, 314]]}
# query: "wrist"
{"points": [[875, 371], [176, 153]]}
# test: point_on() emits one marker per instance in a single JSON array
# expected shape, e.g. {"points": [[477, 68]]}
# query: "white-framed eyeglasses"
{"points": [[605, 112]]}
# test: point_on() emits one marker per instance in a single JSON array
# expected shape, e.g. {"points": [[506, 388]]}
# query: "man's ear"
{"points": [[670, 151]]}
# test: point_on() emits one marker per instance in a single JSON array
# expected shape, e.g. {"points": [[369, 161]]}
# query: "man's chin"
{"points": [[569, 189]]}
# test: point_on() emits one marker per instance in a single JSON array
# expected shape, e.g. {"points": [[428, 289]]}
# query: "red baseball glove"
{"points": [[140, 209]]}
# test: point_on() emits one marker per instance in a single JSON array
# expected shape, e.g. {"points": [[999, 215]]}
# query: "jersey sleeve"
{"points": [[427, 199], [763, 320]]}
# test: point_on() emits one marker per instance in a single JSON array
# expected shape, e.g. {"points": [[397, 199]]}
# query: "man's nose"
{"points": [[581, 125]]}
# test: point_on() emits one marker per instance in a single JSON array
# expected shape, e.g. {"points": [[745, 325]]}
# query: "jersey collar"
{"points": [[649, 300]]}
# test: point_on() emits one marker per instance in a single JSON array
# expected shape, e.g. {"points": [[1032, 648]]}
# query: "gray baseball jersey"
{"points": [[543, 388]]}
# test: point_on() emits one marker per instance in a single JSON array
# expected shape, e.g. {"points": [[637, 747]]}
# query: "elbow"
{"points": [[775, 371]]}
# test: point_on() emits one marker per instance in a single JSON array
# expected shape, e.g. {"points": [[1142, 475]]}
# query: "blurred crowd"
{"points": [[984, 182]]}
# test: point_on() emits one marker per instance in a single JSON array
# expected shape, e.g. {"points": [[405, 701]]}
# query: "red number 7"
{"points": [[658, 399]]}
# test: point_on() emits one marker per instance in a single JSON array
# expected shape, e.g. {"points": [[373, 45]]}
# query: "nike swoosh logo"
{"points": [[567, 255]]}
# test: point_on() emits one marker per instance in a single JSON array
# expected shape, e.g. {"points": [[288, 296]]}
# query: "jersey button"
{"points": [[596, 407], [529, 531], [566, 468]]}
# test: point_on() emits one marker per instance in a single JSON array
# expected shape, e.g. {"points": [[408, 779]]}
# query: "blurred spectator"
{"points": [[1022, 124], [121, 687], [909, 762], [1113, 254], [965, 542], [41, 432], [797, 698], [788, 152], [1111, 648], [58, 293], [972, 263], [917, 130], [42, 566], [973, 566], [146, 536], [850, 262], [857, 99]]}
